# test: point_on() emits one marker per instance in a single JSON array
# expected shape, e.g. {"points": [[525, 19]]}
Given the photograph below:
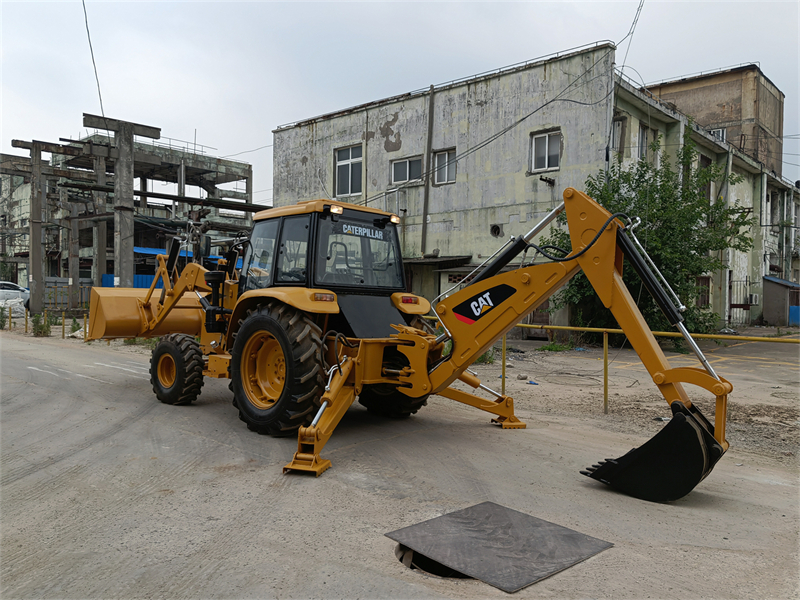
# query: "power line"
{"points": [[94, 64], [247, 151]]}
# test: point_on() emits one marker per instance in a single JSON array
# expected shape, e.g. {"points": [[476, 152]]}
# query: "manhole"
{"points": [[415, 560], [497, 545]]}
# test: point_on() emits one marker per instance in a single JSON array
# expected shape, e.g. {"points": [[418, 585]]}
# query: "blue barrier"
{"points": [[139, 281], [794, 316]]}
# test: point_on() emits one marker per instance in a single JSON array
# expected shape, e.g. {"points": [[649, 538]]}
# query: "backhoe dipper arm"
{"points": [[481, 313]]}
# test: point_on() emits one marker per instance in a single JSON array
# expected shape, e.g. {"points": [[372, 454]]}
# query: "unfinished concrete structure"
{"points": [[65, 203], [468, 163]]}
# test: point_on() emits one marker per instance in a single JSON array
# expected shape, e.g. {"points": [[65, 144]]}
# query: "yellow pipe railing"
{"points": [[605, 332]]}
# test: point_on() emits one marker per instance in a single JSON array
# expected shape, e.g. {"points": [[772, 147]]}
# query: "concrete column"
{"points": [[248, 189], [181, 184], [123, 206], [143, 188], [35, 277], [74, 261], [100, 231], [429, 168]]}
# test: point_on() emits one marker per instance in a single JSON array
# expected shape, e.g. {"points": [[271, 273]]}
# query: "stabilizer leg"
{"points": [[502, 407], [338, 397]]}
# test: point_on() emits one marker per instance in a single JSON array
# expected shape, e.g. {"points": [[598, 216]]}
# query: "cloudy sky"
{"points": [[230, 73]]}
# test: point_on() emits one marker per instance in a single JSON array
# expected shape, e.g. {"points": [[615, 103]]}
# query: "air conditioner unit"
{"points": [[753, 301]]}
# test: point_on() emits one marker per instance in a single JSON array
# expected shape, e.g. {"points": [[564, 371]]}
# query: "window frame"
{"points": [[643, 144], [408, 162], [450, 165], [349, 163], [546, 134], [721, 133]]}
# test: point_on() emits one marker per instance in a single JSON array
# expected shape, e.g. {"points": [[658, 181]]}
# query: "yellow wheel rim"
{"points": [[166, 370], [263, 370]]}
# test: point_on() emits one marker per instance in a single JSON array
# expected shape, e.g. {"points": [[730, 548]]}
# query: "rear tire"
{"points": [[276, 369], [386, 400], [176, 369], [390, 403]]}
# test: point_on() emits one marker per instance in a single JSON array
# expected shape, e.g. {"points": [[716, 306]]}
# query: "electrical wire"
{"points": [[94, 64], [247, 151]]}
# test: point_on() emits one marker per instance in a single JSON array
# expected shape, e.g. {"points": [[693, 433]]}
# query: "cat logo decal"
{"points": [[476, 307]]}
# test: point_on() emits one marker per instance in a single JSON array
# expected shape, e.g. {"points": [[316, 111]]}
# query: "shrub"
{"points": [[41, 326]]}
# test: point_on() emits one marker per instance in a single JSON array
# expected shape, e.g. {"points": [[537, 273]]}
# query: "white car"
{"points": [[12, 291]]}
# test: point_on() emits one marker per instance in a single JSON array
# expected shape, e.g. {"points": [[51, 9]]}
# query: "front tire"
{"points": [[276, 369], [176, 369]]}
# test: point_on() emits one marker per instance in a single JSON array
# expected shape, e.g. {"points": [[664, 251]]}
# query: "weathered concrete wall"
{"points": [[493, 185]]}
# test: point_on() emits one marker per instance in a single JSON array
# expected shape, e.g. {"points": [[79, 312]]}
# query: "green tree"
{"points": [[682, 230]]}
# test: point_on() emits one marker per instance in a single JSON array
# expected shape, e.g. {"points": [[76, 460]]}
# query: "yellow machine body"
{"points": [[281, 344]]}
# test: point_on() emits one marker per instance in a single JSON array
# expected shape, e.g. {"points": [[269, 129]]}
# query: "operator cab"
{"points": [[354, 253]]}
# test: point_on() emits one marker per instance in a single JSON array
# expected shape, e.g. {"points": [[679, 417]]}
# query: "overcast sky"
{"points": [[233, 72]]}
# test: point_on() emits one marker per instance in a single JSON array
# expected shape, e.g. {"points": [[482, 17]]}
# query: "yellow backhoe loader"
{"points": [[318, 316]]}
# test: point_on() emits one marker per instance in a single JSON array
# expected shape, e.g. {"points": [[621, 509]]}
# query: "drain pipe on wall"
{"points": [[428, 166]]}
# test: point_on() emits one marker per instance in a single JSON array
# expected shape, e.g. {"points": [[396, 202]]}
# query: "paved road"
{"points": [[108, 493]]}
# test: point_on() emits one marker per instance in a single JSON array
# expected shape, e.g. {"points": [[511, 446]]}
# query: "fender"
{"points": [[307, 300]]}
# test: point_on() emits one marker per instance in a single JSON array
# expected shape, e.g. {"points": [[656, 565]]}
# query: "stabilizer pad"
{"points": [[502, 547]]}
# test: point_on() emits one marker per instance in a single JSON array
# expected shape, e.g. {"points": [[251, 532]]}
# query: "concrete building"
{"points": [[468, 163], [739, 105], [87, 184]]}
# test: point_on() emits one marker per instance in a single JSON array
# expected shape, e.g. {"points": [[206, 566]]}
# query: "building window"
{"points": [[643, 129], [348, 171], [618, 135], [445, 165], [408, 169], [704, 292], [720, 134], [545, 151]]}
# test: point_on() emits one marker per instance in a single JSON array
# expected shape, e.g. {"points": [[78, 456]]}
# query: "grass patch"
{"points": [[147, 342], [556, 347], [487, 358]]}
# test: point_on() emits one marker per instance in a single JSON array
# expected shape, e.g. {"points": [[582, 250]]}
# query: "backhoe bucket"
{"points": [[668, 466]]}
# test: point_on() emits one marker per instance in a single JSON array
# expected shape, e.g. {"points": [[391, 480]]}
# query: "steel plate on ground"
{"points": [[502, 547]]}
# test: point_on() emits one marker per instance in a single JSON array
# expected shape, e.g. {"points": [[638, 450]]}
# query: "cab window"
{"points": [[356, 252], [260, 257], [293, 250]]}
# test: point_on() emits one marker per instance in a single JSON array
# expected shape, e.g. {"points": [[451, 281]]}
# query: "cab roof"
{"points": [[310, 206]]}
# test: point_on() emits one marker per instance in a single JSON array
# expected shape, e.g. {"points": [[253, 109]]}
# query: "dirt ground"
{"points": [[105, 492], [763, 411]]}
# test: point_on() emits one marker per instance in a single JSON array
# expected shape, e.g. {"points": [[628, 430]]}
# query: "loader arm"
{"points": [[191, 279]]}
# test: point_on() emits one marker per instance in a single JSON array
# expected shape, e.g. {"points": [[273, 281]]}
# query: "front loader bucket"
{"points": [[117, 313], [668, 466]]}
